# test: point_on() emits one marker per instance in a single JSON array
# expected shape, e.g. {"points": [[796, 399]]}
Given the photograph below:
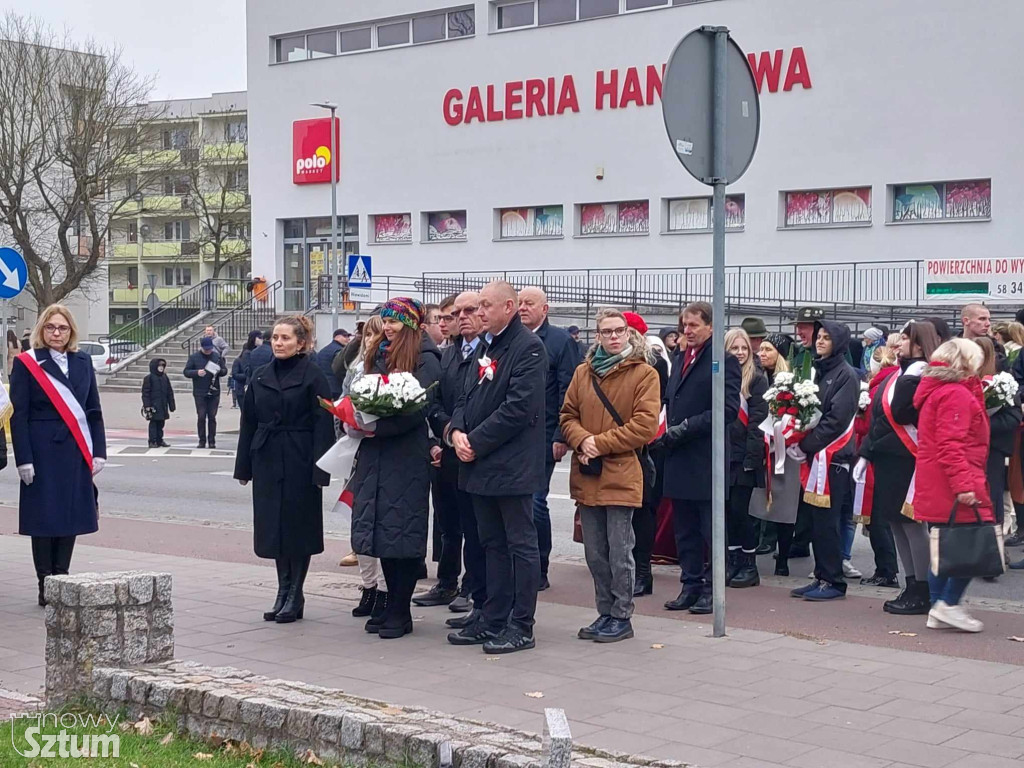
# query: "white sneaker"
{"points": [[934, 622], [955, 616], [850, 572]]}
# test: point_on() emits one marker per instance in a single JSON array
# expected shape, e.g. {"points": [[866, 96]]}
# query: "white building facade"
{"points": [[528, 135]]}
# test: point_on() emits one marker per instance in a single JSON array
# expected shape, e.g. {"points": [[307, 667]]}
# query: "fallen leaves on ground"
{"points": [[393, 711], [202, 756], [534, 694], [144, 727], [1016, 639], [658, 646], [493, 658], [899, 633], [167, 739], [309, 757]]}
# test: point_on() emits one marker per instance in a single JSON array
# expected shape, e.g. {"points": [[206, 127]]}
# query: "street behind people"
{"points": [[282, 433], [59, 442], [206, 368], [611, 413], [157, 401]]}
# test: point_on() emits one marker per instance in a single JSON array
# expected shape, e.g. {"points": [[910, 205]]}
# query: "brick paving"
{"points": [[753, 699]]}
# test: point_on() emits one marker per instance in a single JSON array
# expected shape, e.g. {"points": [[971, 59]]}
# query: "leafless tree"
{"points": [[72, 117]]}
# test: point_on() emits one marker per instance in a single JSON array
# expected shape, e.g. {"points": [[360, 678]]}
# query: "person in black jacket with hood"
{"points": [[206, 388], [158, 401], [829, 450], [497, 431]]}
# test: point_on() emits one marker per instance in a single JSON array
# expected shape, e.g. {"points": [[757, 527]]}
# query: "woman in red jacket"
{"points": [[953, 441]]}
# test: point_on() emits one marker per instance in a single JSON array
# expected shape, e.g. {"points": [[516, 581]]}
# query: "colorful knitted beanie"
{"points": [[405, 310]]}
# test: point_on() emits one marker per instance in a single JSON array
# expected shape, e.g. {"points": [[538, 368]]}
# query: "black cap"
{"points": [[341, 332], [809, 314], [572, 329]]}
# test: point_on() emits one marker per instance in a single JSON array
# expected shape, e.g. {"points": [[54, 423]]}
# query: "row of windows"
{"points": [[389, 33], [235, 131], [515, 14], [799, 209]]}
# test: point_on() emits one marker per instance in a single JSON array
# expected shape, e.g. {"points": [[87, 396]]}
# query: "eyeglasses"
{"points": [[607, 333], [464, 311], [62, 329], [446, 318]]}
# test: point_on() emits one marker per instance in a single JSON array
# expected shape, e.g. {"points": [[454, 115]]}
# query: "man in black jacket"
{"points": [[206, 388], [497, 431], [454, 507], [688, 463], [563, 357], [326, 356], [829, 447]]}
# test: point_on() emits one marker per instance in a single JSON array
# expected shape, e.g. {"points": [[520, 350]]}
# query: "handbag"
{"points": [[967, 550], [148, 413], [643, 454]]}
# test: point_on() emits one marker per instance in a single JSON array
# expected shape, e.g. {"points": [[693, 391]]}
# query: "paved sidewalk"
{"points": [[752, 699]]}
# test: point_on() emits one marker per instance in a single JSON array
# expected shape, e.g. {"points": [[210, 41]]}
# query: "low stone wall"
{"points": [[110, 638]]}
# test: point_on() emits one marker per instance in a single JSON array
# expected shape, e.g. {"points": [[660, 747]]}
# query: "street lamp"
{"points": [[335, 289], [137, 197]]}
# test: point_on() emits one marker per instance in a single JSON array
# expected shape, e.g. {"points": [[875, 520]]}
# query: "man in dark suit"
{"points": [[497, 432], [688, 464], [563, 357], [326, 356]]}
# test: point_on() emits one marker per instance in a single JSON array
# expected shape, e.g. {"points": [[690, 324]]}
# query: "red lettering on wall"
{"points": [[632, 93], [551, 95], [766, 68], [609, 89], [453, 107], [513, 98], [474, 106], [797, 72], [654, 79], [535, 98], [567, 98], [493, 115]]}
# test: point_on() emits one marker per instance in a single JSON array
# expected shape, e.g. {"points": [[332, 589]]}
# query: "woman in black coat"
{"points": [[56, 459], [746, 464], [391, 478], [283, 432], [1004, 422], [158, 401]]}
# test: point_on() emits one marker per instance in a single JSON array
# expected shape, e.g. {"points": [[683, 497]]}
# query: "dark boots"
{"points": [[380, 608], [402, 576], [284, 574], [295, 601], [366, 602], [746, 574], [51, 556], [732, 565], [914, 600]]}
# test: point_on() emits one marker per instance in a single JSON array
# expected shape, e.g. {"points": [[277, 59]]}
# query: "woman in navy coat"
{"points": [[58, 499]]}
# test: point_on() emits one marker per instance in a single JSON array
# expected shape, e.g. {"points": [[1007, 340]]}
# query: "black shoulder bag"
{"points": [[967, 550], [643, 455]]}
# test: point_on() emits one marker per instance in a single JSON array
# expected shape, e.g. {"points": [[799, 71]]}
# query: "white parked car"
{"points": [[106, 354]]}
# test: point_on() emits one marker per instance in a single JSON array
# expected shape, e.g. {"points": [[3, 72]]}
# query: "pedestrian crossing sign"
{"points": [[360, 277]]}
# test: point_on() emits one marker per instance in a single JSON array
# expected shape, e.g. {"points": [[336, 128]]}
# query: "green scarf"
{"points": [[602, 362]]}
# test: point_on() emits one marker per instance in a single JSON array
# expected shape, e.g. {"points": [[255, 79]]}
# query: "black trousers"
{"points": [[803, 530], [884, 547], [691, 521], [475, 562], [156, 431], [742, 528], [509, 538], [645, 526], [542, 517], [826, 537], [51, 555], [892, 480], [401, 575], [206, 411], [448, 520]]}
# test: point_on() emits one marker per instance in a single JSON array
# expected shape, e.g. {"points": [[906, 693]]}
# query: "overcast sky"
{"points": [[191, 47]]}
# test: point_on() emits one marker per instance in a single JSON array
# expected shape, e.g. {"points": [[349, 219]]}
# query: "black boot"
{"points": [[781, 567], [746, 575], [284, 580], [63, 549], [42, 559], [295, 602], [732, 565], [915, 600], [644, 585], [42, 592], [398, 620], [365, 607], [380, 609]]}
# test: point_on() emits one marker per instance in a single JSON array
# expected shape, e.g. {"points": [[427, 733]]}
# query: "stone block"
{"points": [[101, 684], [51, 618], [162, 587], [300, 724], [230, 706], [140, 588], [136, 618], [353, 726], [194, 699], [259, 740], [138, 689], [396, 741], [274, 715], [424, 749], [373, 738], [160, 693], [196, 726], [251, 711], [211, 703], [97, 593], [557, 742], [163, 616], [480, 756], [327, 726], [161, 646], [119, 686], [136, 648], [99, 622], [68, 620], [518, 761]]}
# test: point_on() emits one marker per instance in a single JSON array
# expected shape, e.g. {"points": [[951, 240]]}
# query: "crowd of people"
{"points": [[913, 432]]}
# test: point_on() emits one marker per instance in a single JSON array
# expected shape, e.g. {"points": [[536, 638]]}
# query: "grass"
{"points": [[156, 746]]}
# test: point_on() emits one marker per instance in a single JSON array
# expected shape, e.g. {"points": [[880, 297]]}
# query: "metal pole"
{"points": [[3, 308], [138, 262], [334, 225], [718, 339]]}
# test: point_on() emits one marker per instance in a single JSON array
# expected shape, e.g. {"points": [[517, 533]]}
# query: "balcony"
{"points": [[227, 153], [158, 250], [130, 296], [233, 201], [229, 247], [153, 205]]}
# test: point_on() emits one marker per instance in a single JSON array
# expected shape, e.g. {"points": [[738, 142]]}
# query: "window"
{"points": [[177, 138], [592, 9], [238, 180], [392, 34], [176, 185], [426, 29], [131, 185], [177, 230], [517, 15], [355, 40], [291, 48], [322, 44], [446, 226], [461, 23], [294, 229], [694, 214], [177, 276], [626, 218], [555, 11], [392, 228], [517, 223], [133, 277], [827, 207], [132, 234], [236, 131], [942, 201], [238, 229]]}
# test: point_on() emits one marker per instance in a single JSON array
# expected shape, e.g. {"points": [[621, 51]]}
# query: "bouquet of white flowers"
{"points": [[794, 405], [1000, 390], [388, 395], [865, 397]]}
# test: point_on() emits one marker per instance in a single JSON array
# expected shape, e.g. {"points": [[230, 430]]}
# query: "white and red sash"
{"points": [[64, 400], [814, 474], [744, 416]]}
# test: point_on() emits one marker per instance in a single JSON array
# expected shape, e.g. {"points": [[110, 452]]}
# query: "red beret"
{"points": [[634, 321]]}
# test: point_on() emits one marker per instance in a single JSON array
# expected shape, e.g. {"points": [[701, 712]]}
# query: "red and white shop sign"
{"points": [[311, 151]]}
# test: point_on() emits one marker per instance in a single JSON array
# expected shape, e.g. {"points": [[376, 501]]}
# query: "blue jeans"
{"points": [[847, 528], [542, 518], [947, 589]]}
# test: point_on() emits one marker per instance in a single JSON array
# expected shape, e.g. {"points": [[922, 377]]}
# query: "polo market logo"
{"points": [[65, 735], [317, 162]]}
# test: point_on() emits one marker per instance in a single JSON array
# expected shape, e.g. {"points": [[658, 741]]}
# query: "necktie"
{"points": [[467, 350]]}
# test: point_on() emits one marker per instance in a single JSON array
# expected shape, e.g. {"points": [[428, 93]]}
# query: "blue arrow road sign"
{"points": [[13, 273], [360, 274]]}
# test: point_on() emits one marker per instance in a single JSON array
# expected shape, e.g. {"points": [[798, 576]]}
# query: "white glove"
{"points": [[97, 465], [796, 454], [860, 471], [27, 473]]}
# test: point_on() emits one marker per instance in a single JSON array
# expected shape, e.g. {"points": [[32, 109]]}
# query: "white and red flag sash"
{"points": [[744, 416], [64, 400], [662, 425], [814, 474], [907, 433]]}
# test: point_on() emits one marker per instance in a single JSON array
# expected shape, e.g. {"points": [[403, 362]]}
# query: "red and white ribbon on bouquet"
{"points": [[340, 457]]}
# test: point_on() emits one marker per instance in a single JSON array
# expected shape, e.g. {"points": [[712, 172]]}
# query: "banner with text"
{"points": [[954, 281]]}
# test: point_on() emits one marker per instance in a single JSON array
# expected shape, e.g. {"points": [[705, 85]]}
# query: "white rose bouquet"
{"points": [[794, 405], [1000, 390], [865, 397]]}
